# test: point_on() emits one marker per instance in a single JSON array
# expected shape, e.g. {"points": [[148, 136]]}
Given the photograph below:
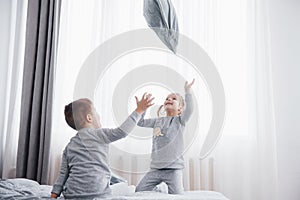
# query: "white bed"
{"points": [[190, 195], [27, 190]]}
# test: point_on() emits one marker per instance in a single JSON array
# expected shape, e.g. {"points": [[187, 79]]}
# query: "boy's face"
{"points": [[95, 118]]}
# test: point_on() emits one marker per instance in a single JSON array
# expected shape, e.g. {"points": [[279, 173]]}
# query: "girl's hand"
{"points": [[144, 103], [187, 86]]}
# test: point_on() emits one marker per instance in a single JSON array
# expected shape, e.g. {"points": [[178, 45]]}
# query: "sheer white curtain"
{"points": [[83, 27], [234, 34], [246, 165], [12, 39]]}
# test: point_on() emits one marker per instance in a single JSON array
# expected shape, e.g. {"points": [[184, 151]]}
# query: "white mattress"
{"points": [[190, 195], [28, 189]]}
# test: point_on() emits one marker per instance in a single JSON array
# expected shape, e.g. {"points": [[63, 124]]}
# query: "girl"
{"points": [[167, 144]]}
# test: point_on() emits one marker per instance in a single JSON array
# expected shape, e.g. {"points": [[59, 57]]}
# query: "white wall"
{"points": [[285, 40]]}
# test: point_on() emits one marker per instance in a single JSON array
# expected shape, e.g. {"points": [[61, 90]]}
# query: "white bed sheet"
{"points": [[190, 195], [27, 190]]}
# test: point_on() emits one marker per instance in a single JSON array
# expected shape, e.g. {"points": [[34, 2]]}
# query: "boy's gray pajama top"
{"points": [[84, 171], [167, 149]]}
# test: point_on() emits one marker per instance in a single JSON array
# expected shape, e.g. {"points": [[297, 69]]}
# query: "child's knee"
{"points": [[175, 189]]}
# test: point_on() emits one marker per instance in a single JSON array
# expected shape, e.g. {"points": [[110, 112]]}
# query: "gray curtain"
{"points": [[37, 91]]}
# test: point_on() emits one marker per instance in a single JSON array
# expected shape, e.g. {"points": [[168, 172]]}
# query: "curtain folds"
{"points": [[12, 39], [37, 92], [266, 129], [249, 162]]}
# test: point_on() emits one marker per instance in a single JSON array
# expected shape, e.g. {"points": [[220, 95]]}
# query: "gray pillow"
{"points": [[161, 17]]}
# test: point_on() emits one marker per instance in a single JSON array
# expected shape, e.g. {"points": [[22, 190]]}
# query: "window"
{"points": [[219, 27]]}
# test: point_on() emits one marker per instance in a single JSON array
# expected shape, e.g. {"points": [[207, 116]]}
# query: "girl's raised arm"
{"points": [[189, 105]]}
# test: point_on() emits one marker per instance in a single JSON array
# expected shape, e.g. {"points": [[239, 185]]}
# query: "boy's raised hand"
{"points": [[144, 103], [187, 86]]}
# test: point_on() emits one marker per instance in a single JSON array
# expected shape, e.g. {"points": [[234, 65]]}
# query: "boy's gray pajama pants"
{"points": [[172, 177]]}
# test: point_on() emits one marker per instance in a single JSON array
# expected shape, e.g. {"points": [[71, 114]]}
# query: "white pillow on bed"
{"points": [[120, 189]]}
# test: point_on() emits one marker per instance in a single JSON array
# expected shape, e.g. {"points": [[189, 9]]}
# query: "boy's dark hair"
{"points": [[76, 112]]}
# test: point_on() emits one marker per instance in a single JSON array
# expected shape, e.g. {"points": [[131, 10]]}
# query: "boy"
{"points": [[84, 171]]}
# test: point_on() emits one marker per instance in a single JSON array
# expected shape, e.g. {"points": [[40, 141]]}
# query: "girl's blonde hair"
{"points": [[181, 103]]}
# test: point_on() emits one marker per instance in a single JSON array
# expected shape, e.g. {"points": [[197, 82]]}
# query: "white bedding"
{"points": [[190, 195], [27, 190]]}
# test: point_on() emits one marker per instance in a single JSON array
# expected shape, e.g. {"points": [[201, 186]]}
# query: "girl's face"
{"points": [[172, 103]]}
